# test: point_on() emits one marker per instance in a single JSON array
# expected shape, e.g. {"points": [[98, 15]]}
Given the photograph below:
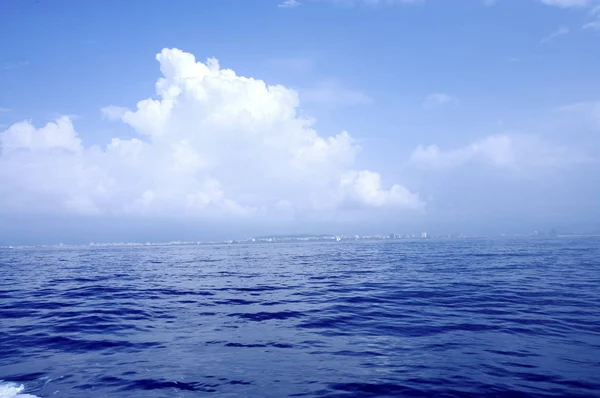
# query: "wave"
{"points": [[363, 320], [13, 390]]}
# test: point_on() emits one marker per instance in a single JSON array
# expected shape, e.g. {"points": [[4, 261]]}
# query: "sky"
{"points": [[163, 120]]}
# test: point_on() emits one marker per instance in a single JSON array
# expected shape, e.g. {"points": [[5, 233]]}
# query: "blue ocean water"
{"points": [[443, 318]]}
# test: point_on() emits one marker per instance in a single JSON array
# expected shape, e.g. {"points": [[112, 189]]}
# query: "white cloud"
{"points": [[112, 112], [437, 100], [505, 151], [23, 136], [365, 187], [332, 93], [211, 144], [496, 150], [289, 4], [567, 3], [5, 110], [561, 31]]}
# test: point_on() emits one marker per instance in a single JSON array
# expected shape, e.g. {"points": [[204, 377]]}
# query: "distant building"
{"points": [[424, 235]]}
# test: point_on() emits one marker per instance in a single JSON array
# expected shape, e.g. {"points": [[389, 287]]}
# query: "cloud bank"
{"points": [[210, 143]]}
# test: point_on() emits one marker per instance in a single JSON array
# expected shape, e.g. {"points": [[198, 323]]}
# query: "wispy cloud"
{"points": [[586, 113], [437, 100], [567, 3], [15, 65], [561, 31], [505, 151], [5, 110], [289, 4], [489, 2], [595, 22], [332, 93], [594, 25]]}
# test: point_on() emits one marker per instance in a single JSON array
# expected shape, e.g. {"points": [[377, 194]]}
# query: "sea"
{"points": [[472, 317]]}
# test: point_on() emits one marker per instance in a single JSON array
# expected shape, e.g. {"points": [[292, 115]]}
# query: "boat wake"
{"points": [[13, 390]]}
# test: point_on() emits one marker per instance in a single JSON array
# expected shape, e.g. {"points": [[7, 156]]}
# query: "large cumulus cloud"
{"points": [[209, 143]]}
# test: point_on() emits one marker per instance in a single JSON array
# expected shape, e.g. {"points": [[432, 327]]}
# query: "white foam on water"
{"points": [[12, 390]]}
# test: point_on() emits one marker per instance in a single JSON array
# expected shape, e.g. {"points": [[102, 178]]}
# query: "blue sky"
{"points": [[486, 114]]}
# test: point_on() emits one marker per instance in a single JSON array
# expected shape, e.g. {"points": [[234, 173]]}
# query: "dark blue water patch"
{"points": [[512, 353], [434, 388], [375, 390], [122, 312], [176, 292], [267, 316], [207, 314], [454, 318], [150, 384], [93, 291], [257, 289], [517, 365], [275, 345], [331, 322], [235, 302], [216, 342], [25, 377], [72, 345], [10, 313], [278, 303], [362, 353], [241, 382], [366, 300], [185, 301]]}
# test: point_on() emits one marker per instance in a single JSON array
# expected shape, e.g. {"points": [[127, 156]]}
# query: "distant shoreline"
{"points": [[296, 239]]}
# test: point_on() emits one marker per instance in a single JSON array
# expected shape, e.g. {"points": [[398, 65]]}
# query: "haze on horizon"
{"points": [[228, 119]]}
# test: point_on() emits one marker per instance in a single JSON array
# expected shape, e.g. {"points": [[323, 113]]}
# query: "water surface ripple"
{"points": [[444, 318]]}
